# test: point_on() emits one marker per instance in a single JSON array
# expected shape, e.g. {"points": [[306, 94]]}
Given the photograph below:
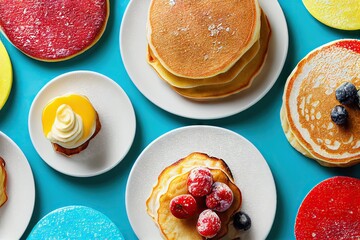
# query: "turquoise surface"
{"points": [[294, 174]]}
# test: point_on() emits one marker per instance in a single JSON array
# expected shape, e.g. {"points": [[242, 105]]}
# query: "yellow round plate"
{"points": [[340, 14], [6, 75]]}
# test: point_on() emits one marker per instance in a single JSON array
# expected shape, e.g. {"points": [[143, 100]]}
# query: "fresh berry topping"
{"points": [[346, 93], [208, 224], [242, 221], [220, 197], [339, 115], [183, 206], [199, 181]]}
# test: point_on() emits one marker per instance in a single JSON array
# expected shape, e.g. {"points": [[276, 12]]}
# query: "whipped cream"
{"points": [[67, 129]]}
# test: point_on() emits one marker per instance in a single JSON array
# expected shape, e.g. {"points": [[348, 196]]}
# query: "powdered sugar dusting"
{"points": [[172, 2]]}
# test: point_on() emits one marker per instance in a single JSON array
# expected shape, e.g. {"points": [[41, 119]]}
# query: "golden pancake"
{"points": [[182, 82], [180, 167], [200, 39], [3, 184], [174, 228], [242, 80], [309, 97]]}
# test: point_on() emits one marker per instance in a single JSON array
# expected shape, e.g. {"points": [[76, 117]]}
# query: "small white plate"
{"points": [[251, 173], [16, 213], [117, 117], [133, 45]]}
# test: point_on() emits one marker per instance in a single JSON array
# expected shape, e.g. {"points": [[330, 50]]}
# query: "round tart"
{"points": [[340, 14], [51, 30], [330, 210], [6, 75]]}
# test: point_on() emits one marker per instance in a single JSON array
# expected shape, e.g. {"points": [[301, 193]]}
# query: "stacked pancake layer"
{"points": [[204, 51], [3, 180], [172, 182], [309, 97]]}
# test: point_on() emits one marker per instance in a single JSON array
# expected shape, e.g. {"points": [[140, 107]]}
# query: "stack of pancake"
{"points": [[207, 49], [309, 98], [3, 184], [172, 182]]}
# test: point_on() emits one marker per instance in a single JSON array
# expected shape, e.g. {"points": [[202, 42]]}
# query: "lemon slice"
{"points": [[340, 14], [6, 75]]}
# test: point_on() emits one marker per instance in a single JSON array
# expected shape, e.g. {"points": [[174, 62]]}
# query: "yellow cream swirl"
{"points": [[67, 128]]}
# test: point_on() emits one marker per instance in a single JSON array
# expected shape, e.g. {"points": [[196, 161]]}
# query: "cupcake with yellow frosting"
{"points": [[70, 122]]}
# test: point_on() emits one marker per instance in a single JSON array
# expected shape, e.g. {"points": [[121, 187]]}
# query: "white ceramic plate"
{"points": [[117, 119], [250, 170], [16, 213], [133, 45]]}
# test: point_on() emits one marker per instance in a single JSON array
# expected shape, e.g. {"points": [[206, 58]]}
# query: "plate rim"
{"points": [[184, 128], [278, 54], [27, 166], [104, 78]]}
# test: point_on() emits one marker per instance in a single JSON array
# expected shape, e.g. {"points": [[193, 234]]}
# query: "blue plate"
{"points": [[75, 222]]}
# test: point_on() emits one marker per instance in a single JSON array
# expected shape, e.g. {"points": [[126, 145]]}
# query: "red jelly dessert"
{"points": [[208, 224], [331, 210], [183, 206], [52, 30], [220, 197], [199, 181]]}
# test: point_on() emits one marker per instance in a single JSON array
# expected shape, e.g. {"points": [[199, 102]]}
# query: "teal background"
{"points": [[294, 174]]}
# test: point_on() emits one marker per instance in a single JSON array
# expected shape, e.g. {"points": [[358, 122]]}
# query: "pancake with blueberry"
{"points": [[173, 226], [180, 167], [320, 114], [200, 39]]}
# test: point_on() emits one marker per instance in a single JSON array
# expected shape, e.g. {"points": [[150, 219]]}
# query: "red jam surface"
{"points": [[331, 210], [52, 29], [353, 45]]}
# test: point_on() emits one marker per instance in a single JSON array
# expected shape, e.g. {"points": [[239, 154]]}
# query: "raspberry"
{"points": [[183, 206], [220, 197], [199, 181], [208, 224]]}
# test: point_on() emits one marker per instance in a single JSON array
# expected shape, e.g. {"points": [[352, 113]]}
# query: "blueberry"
{"points": [[242, 221], [339, 115], [346, 93]]}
